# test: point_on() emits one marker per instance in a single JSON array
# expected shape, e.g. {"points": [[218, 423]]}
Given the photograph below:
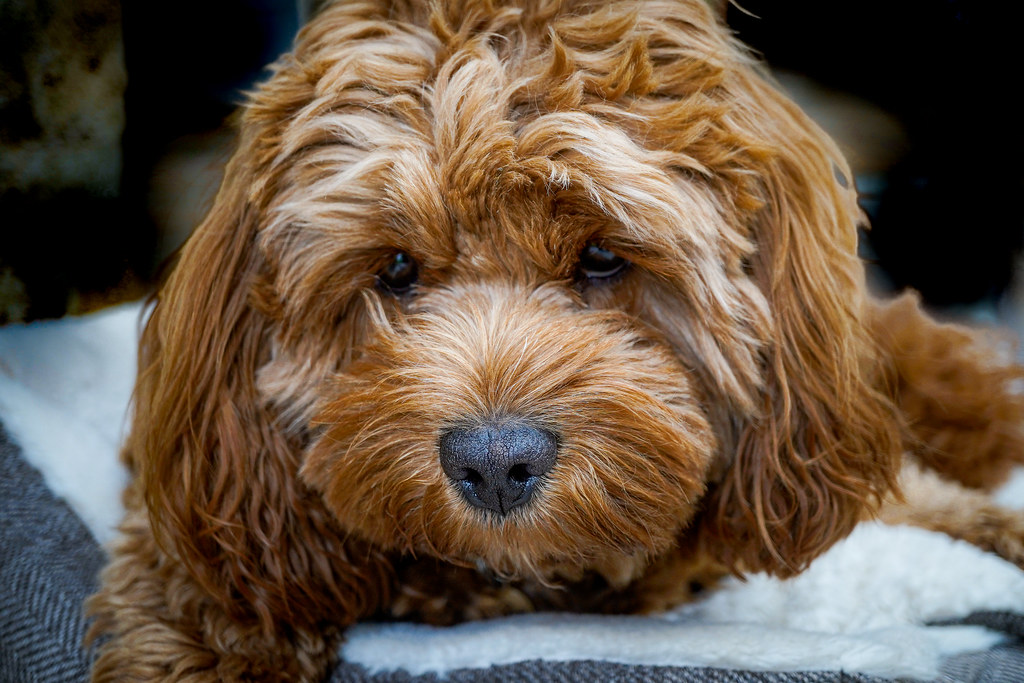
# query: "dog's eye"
{"points": [[598, 263], [400, 274]]}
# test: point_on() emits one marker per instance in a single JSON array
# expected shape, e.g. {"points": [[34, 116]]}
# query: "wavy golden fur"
{"points": [[730, 399]]}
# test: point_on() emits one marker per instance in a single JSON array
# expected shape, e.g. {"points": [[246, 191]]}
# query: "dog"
{"points": [[520, 306]]}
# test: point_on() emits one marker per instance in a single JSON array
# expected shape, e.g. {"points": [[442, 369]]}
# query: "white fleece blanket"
{"points": [[862, 607]]}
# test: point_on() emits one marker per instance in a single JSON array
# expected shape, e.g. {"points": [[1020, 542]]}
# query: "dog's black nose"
{"points": [[497, 466]]}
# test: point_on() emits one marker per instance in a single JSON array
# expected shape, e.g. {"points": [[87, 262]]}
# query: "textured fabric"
{"points": [[1001, 664], [48, 565], [571, 672]]}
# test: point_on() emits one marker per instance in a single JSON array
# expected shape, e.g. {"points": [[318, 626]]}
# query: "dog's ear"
{"points": [[217, 471], [824, 442]]}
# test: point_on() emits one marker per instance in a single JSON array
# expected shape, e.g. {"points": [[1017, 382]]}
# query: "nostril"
{"points": [[472, 477], [520, 474]]}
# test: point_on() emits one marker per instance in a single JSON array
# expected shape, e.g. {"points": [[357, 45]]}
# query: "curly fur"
{"points": [[733, 401]]}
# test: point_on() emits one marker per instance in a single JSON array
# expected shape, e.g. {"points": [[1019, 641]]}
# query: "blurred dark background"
{"points": [[112, 133], [112, 137], [946, 207]]}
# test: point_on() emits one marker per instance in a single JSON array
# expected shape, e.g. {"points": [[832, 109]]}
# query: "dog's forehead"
{"points": [[407, 138], [537, 195], [486, 179]]}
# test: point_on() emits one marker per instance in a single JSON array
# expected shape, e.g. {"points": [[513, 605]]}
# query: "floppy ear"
{"points": [[218, 473], [825, 442]]}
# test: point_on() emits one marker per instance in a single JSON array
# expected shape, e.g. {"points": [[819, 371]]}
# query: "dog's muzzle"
{"points": [[497, 467]]}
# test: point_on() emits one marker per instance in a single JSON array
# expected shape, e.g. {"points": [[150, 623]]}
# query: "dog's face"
{"points": [[537, 297], [537, 287]]}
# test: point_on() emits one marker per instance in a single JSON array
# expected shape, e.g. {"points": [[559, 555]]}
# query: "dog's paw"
{"points": [[439, 594]]}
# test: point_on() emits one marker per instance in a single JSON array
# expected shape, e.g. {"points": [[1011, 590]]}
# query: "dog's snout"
{"points": [[497, 466]]}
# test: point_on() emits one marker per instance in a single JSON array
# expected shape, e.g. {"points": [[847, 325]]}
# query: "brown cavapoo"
{"points": [[513, 306]]}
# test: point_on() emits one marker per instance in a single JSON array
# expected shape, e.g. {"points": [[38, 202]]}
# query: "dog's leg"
{"points": [[959, 390], [154, 624], [938, 504], [962, 399]]}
